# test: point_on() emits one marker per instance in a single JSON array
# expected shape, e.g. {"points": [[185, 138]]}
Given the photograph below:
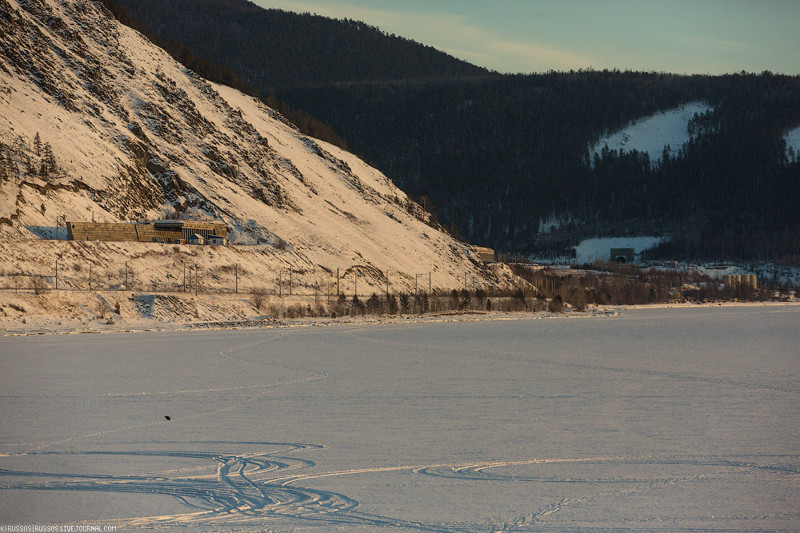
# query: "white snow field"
{"points": [[792, 138], [651, 134], [654, 420]]}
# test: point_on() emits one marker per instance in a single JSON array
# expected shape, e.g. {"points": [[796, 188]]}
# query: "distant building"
{"points": [[622, 255], [216, 240], [196, 239], [485, 254], [165, 231]]}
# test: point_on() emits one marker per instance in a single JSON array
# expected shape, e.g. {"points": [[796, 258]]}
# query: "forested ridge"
{"points": [[504, 160]]}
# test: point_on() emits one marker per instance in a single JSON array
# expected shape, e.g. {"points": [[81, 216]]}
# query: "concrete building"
{"points": [[165, 231], [486, 254], [622, 255]]}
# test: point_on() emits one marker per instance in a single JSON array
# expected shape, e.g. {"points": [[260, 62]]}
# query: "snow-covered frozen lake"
{"points": [[655, 420]]}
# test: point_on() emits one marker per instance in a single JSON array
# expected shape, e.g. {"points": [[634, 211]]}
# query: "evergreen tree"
{"points": [[374, 305], [49, 164], [358, 305], [30, 168], [391, 301], [405, 304]]}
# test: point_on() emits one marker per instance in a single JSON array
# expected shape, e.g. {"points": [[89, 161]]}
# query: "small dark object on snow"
{"points": [[168, 417]]}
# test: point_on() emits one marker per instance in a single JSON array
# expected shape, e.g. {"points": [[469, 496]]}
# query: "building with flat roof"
{"points": [[166, 231], [486, 254], [622, 255]]}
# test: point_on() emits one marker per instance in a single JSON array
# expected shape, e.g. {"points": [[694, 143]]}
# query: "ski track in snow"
{"points": [[244, 489], [240, 489]]}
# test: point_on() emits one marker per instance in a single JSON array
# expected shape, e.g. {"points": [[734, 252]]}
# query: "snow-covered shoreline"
{"points": [[44, 324]]}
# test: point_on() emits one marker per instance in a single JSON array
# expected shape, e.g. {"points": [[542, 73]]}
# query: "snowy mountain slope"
{"points": [[98, 123], [652, 134]]}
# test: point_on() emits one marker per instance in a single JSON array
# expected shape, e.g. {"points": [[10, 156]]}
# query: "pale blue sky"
{"points": [[681, 36]]}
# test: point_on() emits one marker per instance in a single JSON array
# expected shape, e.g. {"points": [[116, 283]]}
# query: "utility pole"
{"points": [[337, 282], [290, 282], [355, 277], [465, 281], [126, 276], [90, 277], [416, 284], [196, 284], [236, 273], [184, 275], [429, 282], [56, 272], [387, 283]]}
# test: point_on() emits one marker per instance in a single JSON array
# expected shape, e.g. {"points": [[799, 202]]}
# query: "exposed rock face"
{"points": [[98, 123]]}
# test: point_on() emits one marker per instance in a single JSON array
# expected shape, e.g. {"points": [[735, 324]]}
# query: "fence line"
{"points": [[193, 279]]}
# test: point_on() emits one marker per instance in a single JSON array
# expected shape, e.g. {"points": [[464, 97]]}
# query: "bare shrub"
{"points": [[16, 281], [539, 304], [39, 285], [296, 311], [233, 269], [556, 305], [101, 307], [258, 295]]}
